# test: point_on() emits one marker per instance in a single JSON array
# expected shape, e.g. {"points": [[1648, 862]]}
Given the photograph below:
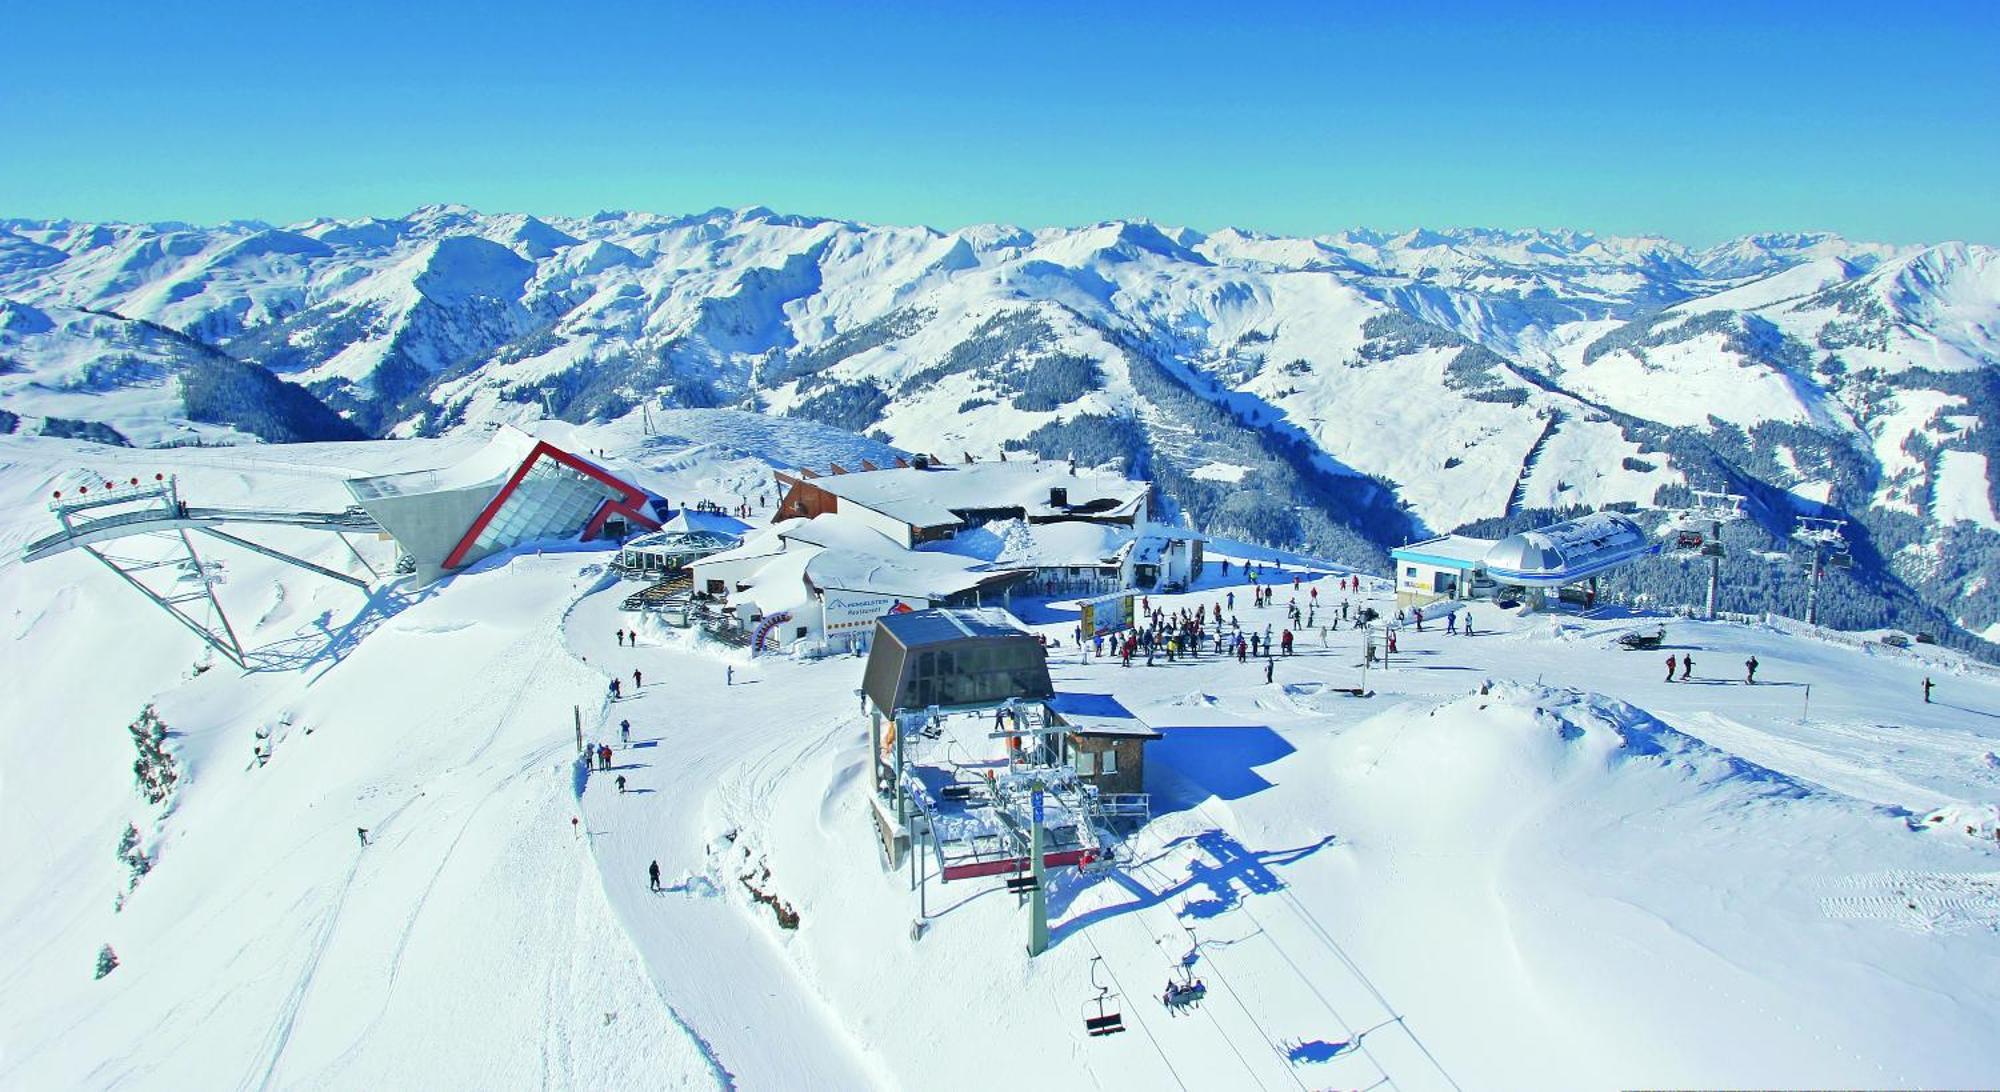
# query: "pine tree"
{"points": [[134, 857], [154, 769], [107, 961]]}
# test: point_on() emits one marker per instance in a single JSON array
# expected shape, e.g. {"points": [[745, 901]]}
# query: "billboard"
{"points": [[1107, 614], [850, 612]]}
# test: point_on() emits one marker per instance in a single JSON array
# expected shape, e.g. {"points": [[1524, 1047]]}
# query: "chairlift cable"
{"points": [[1150, 1037], [1237, 997]]}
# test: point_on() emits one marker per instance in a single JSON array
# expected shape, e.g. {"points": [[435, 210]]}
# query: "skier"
{"points": [[1451, 625], [1670, 667], [729, 675], [1232, 600], [1468, 623], [604, 755], [1687, 665], [621, 784], [653, 874], [615, 693], [621, 638], [1287, 642], [1420, 619], [636, 684], [362, 832], [625, 732], [1392, 640], [1927, 690], [1268, 665], [1750, 671]]}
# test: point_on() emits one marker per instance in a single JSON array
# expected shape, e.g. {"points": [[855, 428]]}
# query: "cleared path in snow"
{"points": [[723, 973]]}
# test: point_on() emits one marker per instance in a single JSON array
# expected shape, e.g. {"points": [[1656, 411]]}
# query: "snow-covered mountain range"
{"points": [[1341, 393]]}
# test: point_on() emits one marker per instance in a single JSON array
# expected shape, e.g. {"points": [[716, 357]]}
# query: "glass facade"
{"points": [[551, 501], [973, 673]]}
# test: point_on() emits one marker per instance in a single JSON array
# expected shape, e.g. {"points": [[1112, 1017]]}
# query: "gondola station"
{"points": [[980, 768], [1561, 560]]}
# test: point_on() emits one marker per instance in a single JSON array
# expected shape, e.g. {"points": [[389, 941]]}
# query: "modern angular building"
{"points": [[518, 489]]}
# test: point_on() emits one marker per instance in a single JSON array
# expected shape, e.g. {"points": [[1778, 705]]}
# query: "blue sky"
{"points": [[1699, 121]]}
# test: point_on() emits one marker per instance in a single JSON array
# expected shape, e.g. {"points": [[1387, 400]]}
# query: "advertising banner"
{"points": [[850, 612], [1107, 614]]}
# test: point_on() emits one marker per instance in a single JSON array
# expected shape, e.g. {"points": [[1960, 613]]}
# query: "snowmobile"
{"points": [[1640, 642]]}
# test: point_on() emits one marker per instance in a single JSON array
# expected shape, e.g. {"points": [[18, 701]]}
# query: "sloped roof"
{"points": [[1100, 715], [1570, 550], [496, 459], [1461, 549], [933, 497], [694, 519], [917, 629], [838, 551]]}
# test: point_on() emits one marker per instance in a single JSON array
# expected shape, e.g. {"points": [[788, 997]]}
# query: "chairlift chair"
{"points": [[1689, 540], [1108, 1021], [1184, 990]]}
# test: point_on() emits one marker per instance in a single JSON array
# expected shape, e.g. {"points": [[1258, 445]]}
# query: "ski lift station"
{"points": [[848, 547], [517, 489], [680, 542], [1530, 565], [979, 768]]}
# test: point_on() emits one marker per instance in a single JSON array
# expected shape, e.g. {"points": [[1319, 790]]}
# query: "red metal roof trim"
{"points": [[631, 501]]}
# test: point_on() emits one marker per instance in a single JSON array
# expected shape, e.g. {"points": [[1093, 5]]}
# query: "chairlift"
{"points": [[1108, 1021], [1184, 991], [1689, 540]]}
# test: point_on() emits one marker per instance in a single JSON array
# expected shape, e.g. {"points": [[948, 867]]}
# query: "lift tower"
{"points": [[1827, 540], [1707, 514]]}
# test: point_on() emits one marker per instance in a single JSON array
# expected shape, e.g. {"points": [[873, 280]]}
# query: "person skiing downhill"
{"points": [[1670, 667], [621, 784], [1268, 666], [625, 731], [362, 832], [653, 874], [1687, 666], [636, 677], [729, 675], [1750, 671], [1927, 690], [615, 692]]}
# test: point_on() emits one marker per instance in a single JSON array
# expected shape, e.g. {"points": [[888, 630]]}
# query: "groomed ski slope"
{"points": [[1584, 878], [1550, 887]]}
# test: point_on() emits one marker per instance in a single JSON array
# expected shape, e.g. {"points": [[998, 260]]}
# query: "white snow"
{"points": [[1962, 490], [1219, 472], [1586, 877]]}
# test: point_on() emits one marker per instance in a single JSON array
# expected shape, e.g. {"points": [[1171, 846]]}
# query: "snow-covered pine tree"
{"points": [[132, 855], [107, 961], [154, 769]]}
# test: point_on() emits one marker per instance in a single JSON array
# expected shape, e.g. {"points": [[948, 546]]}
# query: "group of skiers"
{"points": [[617, 688]]}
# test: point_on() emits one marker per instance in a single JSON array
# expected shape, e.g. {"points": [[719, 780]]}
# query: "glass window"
{"points": [[1107, 760], [927, 663], [1086, 763]]}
